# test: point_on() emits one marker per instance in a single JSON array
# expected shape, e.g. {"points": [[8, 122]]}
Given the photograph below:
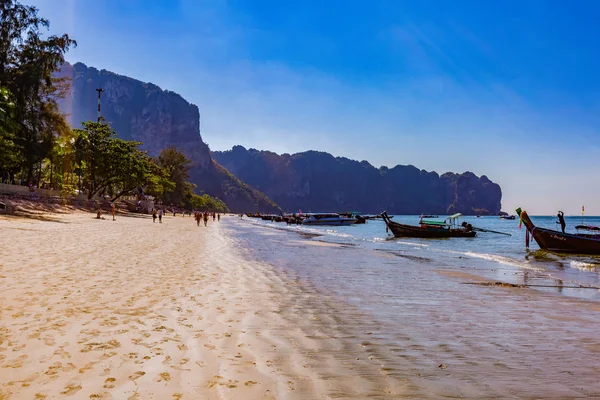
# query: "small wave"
{"points": [[583, 265], [411, 243], [503, 260]]}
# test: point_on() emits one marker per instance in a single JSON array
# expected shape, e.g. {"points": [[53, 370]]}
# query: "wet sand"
{"points": [[138, 310], [463, 328]]}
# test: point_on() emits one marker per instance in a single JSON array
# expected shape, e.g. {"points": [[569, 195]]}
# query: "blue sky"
{"points": [[507, 89]]}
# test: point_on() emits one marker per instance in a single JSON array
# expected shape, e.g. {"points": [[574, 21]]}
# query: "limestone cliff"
{"points": [[157, 118], [317, 181]]}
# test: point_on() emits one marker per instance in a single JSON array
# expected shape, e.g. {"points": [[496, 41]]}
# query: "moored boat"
{"points": [[328, 219], [431, 229], [549, 239], [588, 231], [360, 219]]}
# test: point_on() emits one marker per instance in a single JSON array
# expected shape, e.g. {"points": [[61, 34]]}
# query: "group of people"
{"points": [[158, 214], [198, 216]]}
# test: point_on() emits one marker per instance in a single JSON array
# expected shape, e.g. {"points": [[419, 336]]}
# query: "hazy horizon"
{"points": [[508, 91]]}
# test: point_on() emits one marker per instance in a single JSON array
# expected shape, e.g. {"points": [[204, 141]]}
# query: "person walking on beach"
{"points": [[154, 215], [561, 220], [218, 217], [205, 218], [214, 216], [160, 214], [197, 217], [112, 209]]}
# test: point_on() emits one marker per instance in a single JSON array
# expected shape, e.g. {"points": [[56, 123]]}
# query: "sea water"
{"points": [[433, 306], [499, 252]]}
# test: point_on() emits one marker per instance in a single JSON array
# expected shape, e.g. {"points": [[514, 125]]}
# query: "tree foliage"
{"points": [[112, 165], [27, 63], [176, 165]]}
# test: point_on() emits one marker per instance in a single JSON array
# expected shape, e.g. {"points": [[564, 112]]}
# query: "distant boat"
{"points": [[559, 242], [431, 229], [353, 214], [328, 219], [429, 216], [508, 217], [590, 231]]}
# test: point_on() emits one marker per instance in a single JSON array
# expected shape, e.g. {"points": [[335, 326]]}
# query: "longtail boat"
{"points": [[559, 242], [430, 229]]}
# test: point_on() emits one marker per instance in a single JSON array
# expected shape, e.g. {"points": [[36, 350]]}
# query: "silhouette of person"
{"points": [[561, 220]]}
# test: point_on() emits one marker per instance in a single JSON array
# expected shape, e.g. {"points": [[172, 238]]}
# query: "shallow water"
{"points": [[434, 324], [494, 253]]}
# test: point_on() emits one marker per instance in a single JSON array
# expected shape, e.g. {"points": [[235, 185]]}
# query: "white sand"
{"points": [[134, 310]]}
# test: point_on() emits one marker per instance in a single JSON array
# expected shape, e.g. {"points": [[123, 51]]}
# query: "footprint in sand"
{"points": [[137, 375], [71, 389], [164, 376], [104, 395], [16, 363], [109, 383], [92, 346]]}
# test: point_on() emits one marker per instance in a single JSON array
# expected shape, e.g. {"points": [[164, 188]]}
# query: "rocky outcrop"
{"points": [[317, 181], [158, 118]]}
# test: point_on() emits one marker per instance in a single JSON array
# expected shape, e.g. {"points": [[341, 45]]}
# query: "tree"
{"points": [[176, 166], [27, 62], [113, 165], [8, 155]]}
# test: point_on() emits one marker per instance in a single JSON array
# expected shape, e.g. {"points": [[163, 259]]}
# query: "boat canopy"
{"points": [[588, 227], [454, 216], [435, 223]]}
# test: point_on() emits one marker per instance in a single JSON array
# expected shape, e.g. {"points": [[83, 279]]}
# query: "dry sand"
{"points": [[138, 310]]}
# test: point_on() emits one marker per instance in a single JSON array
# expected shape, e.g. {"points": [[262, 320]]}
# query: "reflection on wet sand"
{"points": [[515, 336]]}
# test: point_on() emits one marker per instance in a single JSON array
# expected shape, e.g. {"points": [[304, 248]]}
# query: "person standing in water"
{"points": [[561, 220]]}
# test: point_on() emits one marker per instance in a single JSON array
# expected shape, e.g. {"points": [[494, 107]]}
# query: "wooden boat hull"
{"points": [[559, 242], [428, 232]]}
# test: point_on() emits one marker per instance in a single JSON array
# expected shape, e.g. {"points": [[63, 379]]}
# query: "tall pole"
{"points": [[99, 90]]}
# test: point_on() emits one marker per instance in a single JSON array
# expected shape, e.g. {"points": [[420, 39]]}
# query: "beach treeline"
{"points": [[40, 149]]}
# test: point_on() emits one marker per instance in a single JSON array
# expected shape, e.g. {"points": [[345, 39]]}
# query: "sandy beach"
{"points": [[131, 309]]}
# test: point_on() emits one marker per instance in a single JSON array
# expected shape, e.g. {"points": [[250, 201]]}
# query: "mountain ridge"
{"points": [[322, 182]]}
